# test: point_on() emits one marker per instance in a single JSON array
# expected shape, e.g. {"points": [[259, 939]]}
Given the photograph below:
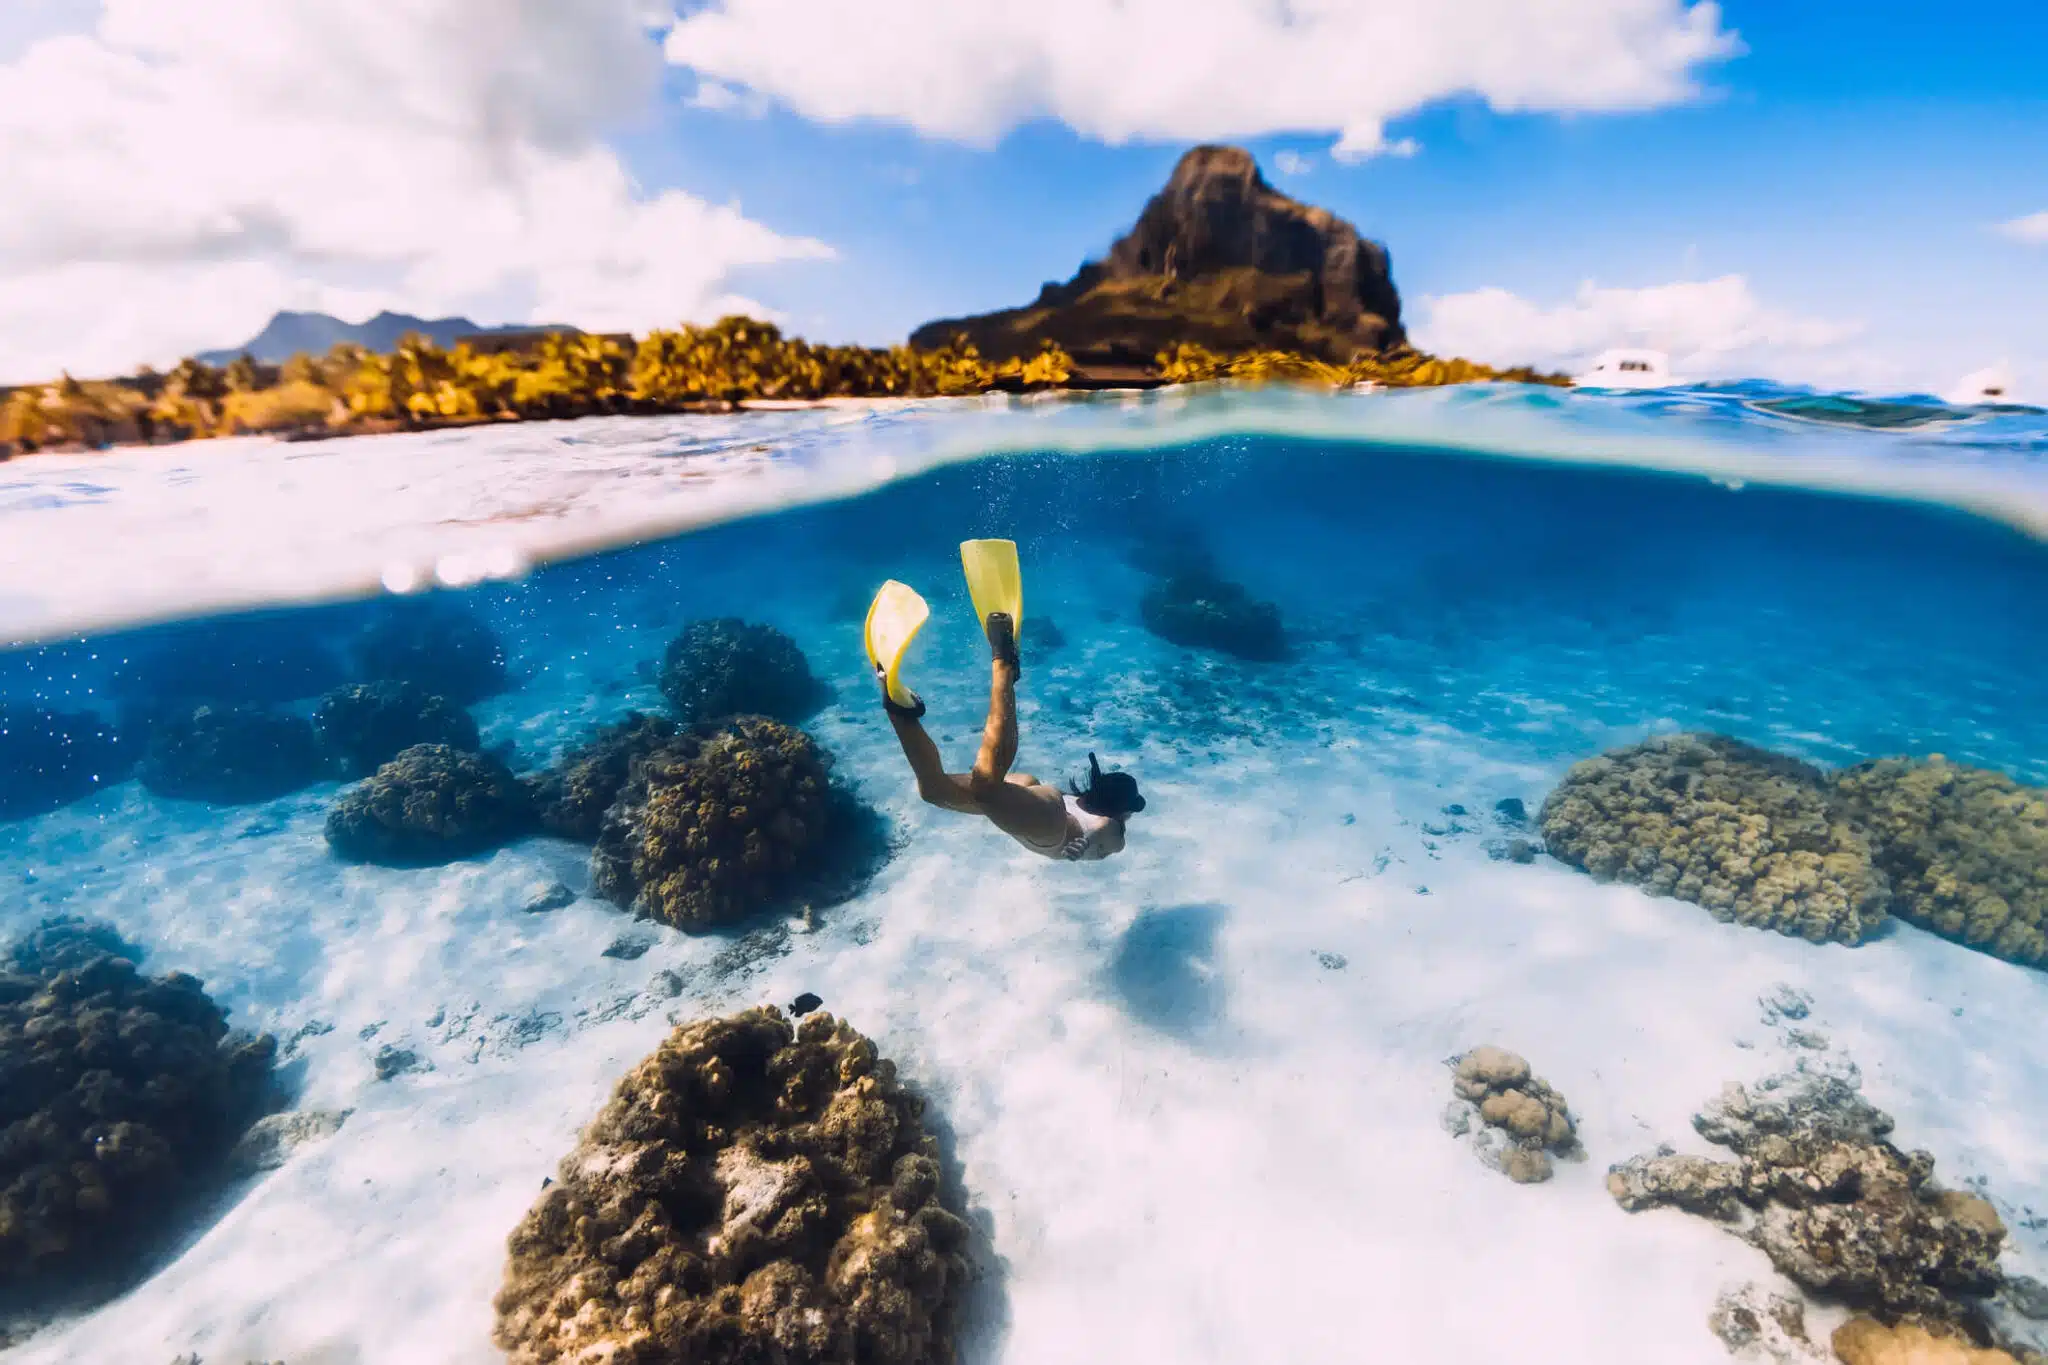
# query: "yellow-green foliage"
{"points": [[1049, 369], [292, 405], [69, 412], [1188, 363], [1283, 367], [1966, 850], [735, 360]]}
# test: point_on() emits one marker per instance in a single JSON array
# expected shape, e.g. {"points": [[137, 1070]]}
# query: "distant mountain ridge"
{"points": [[289, 333]]}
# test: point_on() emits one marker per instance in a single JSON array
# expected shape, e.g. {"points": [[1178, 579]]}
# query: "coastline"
{"points": [[422, 390]]}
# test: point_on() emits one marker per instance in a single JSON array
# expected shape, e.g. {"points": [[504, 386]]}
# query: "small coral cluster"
{"points": [[729, 667], [1515, 1119], [719, 822], [1764, 839], [428, 795], [430, 804], [366, 725], [752, 1192], [1748, 834], [573, 795], [1819, 1188], [48, 759], [121, 1095], [1199, 610], [230, 755], [1966, 850], [703, 823]]}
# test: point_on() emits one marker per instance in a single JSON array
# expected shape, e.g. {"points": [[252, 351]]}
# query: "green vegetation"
{"points": [[734, 361]]}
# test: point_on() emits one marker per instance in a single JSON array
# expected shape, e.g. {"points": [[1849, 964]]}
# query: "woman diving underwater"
{"points": [[1081, 825]]}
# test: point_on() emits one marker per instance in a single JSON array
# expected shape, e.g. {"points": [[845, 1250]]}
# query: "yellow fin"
{"points": [[894, 618], [993, 579]]}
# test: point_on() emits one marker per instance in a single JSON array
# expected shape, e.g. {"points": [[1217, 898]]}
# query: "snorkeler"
{"points": [[1083, 825]]}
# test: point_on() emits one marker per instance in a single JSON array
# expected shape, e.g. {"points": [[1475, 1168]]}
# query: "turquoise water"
{"points": [[1189, 1097]]}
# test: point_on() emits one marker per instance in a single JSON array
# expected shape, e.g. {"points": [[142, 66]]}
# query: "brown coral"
{"points": [[429, 805], [1748, 834], [1524, 1119], [120, 1097], [751, 1193], [728, 820], [727, 667], [366, 725], [1839, 1209], [573, 796], [1966, 850], [1865, 1341]]}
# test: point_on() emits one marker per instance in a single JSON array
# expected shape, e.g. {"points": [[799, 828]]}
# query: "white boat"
{"points": [[1990, 385], [1627, 369]]}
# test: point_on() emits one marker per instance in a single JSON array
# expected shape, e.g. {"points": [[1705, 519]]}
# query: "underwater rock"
{"points": [[1517, 1121], [1511, 851], [1746, 833], [122, 1097], [553, 896], [61, 942], [1838, 1209], [393, 1061], [366, 725], [1784, 1001], [741, 816], [752, 1192], [1200, 611], [231, 755], [431, 804], [729, 667], [1510, 813], [1864, 1341], [1966, 850], [2028, 1296], [573, 796], [446, 651], [1756, 1324], [48, 759], [272, 1139]]}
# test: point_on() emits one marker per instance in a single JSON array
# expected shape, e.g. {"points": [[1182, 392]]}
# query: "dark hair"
{"points": [[1112, 794]]}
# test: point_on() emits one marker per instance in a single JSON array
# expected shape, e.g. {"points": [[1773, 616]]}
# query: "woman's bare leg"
{"points": [[1019, 807], [999, 734], [937, 786]]}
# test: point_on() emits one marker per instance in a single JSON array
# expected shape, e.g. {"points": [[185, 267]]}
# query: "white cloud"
{"points": [[180, 171], [1363, 144], [1293, 163], [971, 70], [1711, 329], [2032, 229]]}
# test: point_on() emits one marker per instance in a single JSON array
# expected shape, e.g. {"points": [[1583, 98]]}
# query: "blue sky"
{"points": [[1851, 163], [1811, 190]]}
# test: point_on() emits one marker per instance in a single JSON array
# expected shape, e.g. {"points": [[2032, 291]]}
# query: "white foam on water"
{"points": [[90, 542], [1191, 1140]]}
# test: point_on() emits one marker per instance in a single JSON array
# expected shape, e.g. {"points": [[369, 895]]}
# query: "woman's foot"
{"points": [[1002, 638], [915, 711]]}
